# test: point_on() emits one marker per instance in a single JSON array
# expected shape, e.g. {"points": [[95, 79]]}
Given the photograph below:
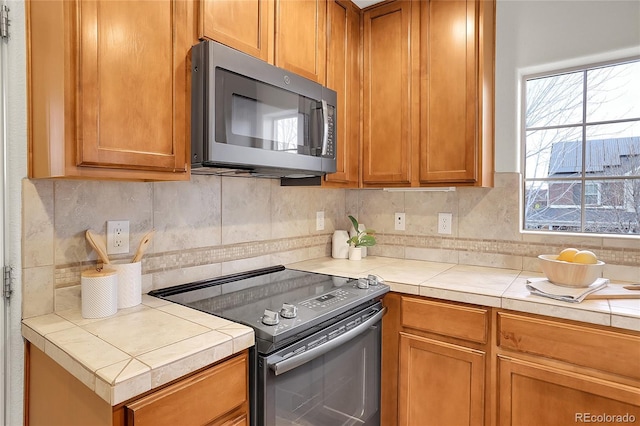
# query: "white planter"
{"points": [[352, 233], [355, 253]]}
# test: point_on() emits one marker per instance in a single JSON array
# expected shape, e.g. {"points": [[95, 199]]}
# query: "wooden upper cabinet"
{"points": [[343, 76], [108, 89], [456, 91], [387, 95], [245, 25], [300, 37]]}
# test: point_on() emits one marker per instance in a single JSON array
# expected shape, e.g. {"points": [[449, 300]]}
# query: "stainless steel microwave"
{"points": [[258, 119]]}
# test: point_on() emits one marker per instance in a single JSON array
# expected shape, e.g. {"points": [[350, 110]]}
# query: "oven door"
{"points": [[329, 378]]}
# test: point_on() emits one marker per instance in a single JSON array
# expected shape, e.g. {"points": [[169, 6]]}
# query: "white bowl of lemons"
{"points": [[572, 267]]}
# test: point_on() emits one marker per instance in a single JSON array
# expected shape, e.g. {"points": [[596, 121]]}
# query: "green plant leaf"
{"points": [[366, 241], [353, 241], [354, 222]]}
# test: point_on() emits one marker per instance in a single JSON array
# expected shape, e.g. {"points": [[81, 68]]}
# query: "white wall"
{"points": [[535, 36], [15, 172]]}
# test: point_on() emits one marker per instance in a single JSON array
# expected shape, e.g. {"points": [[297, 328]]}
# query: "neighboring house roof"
{"points": [[566, 157]]}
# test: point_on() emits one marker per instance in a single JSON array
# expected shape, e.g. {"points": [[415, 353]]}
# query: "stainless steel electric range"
{"points": [[317, 355]]}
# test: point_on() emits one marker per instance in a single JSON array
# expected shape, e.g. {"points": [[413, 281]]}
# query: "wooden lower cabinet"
{"points": [[557, 372], [197, 400], [435, 362], [439, 383], [217, 395], [535, 393], [449, 363]]}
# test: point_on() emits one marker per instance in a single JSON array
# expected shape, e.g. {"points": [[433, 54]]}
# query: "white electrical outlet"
{"points": [[399, 222], [444, 223], [320, 221], [117, 236]]}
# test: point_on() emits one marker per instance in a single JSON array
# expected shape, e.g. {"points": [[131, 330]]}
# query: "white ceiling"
{"points": [[365, 3]]}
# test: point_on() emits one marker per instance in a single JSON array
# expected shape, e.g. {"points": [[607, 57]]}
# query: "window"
{"points": [[581, 154]]}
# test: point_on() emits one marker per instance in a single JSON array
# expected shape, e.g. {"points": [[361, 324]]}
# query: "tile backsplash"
{"points": [[214, 226]]}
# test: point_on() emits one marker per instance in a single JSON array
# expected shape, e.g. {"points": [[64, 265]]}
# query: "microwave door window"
{"points": [[262, 116], [265, 126]]}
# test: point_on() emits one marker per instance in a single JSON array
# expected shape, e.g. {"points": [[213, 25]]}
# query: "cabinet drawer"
{"points": [[447, 319], [199, 399], [604, 350]]}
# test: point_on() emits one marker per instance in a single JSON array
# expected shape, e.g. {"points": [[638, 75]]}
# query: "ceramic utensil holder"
{"points": [[129, 284], [339, 245], [99, 293]]}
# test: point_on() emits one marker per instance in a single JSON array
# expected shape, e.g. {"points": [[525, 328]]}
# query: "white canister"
{"points": [[99, 293], [129, 284], [352, 233], [339, 245]]}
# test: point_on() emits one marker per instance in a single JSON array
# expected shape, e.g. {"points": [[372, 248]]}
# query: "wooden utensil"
{"points": [[613, 291], [98, 245], [142, 247], [635, 287]]}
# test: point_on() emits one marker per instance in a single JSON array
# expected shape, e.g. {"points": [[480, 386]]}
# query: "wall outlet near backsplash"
{"points": [[444, 223], [117, 236]]}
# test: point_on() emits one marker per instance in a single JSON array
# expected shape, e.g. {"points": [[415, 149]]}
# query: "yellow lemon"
{"points": [[585, 256], [567, 254]]}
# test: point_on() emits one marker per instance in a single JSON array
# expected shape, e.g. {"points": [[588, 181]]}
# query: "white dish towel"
{"points": [[543, 287]]}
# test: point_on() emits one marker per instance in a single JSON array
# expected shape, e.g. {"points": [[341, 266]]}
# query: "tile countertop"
{"points": [[495, 287], [144, 347], [137, 349]]}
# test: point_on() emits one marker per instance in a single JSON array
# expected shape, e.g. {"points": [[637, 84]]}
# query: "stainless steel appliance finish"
{"points": [[330, 378], [317, 354], [258, 119]]}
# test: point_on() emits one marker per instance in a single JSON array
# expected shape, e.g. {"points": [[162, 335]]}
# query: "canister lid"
{"points": [[95, 273]]}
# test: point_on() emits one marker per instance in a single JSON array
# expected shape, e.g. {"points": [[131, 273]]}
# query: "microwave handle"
{"points": [[304, 357], [325, 127]]}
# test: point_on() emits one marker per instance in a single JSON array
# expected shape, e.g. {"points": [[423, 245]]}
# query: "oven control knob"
{"points": [[288, 310], [363, 283], [270, 317]]}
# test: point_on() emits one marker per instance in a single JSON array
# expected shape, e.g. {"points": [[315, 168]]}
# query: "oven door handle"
{"points": [[283, 366]]}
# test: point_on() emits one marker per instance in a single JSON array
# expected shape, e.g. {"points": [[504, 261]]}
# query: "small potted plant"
{"points": [[361, 239]]}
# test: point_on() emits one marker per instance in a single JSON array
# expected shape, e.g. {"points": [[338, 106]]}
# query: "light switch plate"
{"points": [[320, 221], [399, 220]]}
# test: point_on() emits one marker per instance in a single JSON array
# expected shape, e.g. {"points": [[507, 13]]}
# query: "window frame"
{"points": [[581, 177]]}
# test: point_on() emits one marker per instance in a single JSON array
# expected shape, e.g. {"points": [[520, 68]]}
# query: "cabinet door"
{"points": [[133, 93], [244, 25], [343, 76], [457, 56], [530, 393], [386, 152], [300, 40], [439, 383]]}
